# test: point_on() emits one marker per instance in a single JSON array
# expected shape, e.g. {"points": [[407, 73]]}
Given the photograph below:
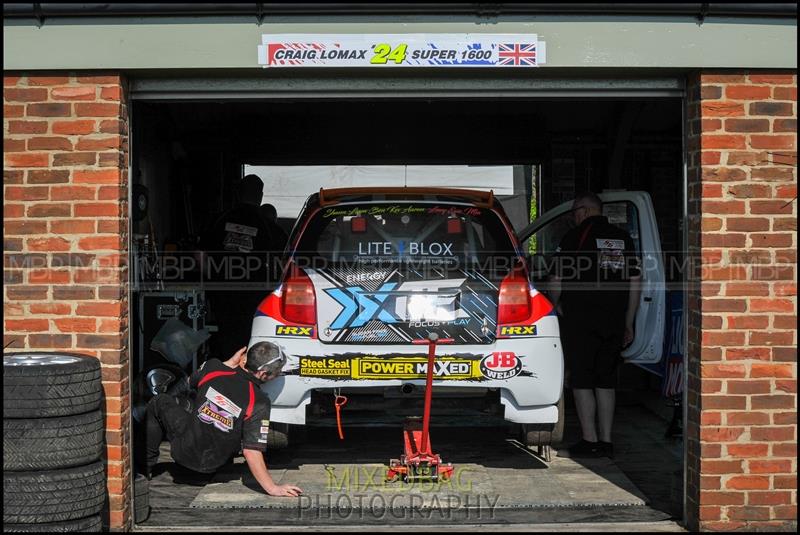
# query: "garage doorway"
{"points": [[188, 155]]}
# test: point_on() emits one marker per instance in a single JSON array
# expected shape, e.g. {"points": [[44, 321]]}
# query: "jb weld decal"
{"points": [[289, 330]]}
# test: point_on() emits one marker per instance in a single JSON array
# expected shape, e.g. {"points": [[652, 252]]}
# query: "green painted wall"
{"points": [[217, 43]]}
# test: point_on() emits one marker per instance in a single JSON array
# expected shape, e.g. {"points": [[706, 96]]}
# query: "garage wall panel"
{"points": [[742, 352], [573, 41], [65, 237]]}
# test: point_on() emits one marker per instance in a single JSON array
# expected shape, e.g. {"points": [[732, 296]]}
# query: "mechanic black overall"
{"points": [[595, 262], [225, 410]]}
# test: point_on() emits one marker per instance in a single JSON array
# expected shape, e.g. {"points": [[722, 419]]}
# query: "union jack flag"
{"points": [[517, 54]]}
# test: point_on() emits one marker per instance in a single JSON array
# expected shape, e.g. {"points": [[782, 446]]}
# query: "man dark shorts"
{"points": [[591, 354]]}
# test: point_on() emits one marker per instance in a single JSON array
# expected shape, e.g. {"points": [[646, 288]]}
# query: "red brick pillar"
{"points": [[65, 221], [742, 353]]}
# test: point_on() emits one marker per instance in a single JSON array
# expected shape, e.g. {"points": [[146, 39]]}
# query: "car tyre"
{"points": [[557, 434], [141, 499], [50, 384], [90, 524], [54, 495], [278, 436], [52, 443], [535, 435]]}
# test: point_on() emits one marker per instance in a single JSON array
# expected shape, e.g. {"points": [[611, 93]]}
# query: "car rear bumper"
{"points": [[528, 371]]}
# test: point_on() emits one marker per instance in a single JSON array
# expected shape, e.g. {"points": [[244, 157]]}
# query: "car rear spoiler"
{"points": [[482, 199]]}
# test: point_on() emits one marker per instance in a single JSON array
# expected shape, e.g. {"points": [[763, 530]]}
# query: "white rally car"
{"points": [[371, 271]]}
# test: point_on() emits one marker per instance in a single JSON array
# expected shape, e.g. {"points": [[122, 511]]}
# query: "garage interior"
{"points": [[187, 156]]}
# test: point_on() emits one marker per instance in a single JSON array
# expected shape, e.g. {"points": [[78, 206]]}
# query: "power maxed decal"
{"points": [[495, 366]]}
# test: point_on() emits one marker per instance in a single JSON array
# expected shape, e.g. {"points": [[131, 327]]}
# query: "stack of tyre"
{"points": [[53, 437]]}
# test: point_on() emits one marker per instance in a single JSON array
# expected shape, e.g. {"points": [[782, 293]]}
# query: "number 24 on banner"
{"points": [[384, 53]]}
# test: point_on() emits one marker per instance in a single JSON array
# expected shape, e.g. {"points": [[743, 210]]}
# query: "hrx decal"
{"points": [[518, 330], [291, 330]]}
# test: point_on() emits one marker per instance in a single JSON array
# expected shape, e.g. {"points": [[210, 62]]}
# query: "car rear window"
{"points": [[397, 232]]}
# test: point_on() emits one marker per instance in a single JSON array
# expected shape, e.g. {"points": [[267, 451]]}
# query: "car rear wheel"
{"points": [[278, 436], [536, 435]]}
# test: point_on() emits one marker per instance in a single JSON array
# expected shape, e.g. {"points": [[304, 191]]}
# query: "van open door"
{"points": [[633, 212]]}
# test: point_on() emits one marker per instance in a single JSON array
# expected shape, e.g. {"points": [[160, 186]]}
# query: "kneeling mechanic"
{"points": [[225, 410]]}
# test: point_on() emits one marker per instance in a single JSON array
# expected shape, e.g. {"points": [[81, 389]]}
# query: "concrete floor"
{"points": [[520, 490]]}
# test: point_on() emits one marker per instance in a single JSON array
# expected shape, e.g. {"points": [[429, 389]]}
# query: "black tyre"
{"points": [[557, 434], [141, 499], [45, 385], [535, 435], [278, 436], [545, 434], [53, 496], [92, 524], [51, 443]]}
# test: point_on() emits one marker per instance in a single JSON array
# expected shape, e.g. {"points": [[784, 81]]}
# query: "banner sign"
{"points": [[401, 50]]}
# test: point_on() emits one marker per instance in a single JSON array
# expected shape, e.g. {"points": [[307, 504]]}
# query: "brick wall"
{"points": [[742, 413], [65, 253], [65, 221]]}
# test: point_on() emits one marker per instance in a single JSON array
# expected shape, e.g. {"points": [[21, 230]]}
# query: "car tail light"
{"points": [[514, 300], [299, 304]]}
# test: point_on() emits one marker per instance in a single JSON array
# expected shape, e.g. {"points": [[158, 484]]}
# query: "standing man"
{"points": [[270, 214], [236, 256], [597, 284], [228, 411]]}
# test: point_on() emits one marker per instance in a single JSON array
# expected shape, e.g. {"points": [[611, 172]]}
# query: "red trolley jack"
{"points": [[419, 463]]}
